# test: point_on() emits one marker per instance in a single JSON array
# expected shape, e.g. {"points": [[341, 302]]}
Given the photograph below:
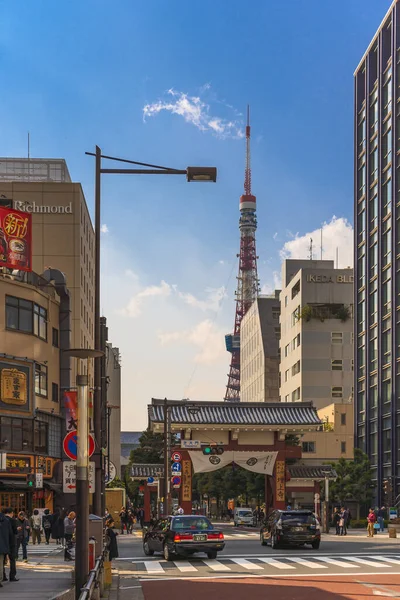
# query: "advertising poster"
{"points": [[15, 386], [71, 410], [15, 239]]}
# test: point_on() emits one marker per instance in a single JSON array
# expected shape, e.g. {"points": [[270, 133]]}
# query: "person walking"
{"points": [[123, 515], [9, 513], [343, 521], [46, 525], [336, 520], [6, 541], [111, 539], [57, 527], [69, 530], [36, 527], [381, 518], [22, 535], [371, 522]]}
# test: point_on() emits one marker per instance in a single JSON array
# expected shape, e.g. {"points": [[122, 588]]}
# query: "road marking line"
{"points": [[215, 565], [242, 562], [306, 563], [395, 561], [185, 567], [275, 563], [338, 563], [256, 576], [154, 567], [363, 561]]}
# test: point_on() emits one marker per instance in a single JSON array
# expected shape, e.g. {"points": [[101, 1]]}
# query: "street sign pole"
{"points": [[82, 487]]}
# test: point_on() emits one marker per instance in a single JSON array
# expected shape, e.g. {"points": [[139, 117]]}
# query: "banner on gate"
{"points": [[256, 462]]}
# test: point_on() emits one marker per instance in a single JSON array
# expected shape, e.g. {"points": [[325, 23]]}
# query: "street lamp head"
{"points": [[201, 174]]}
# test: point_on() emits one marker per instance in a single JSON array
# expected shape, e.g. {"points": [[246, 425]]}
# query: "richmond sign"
{"points": [[33, 208]]}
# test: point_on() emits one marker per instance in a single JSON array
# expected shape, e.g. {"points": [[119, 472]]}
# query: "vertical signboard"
{"points": [[71, 410], [15, 239], [186, 481], [280, 480], [14, 386]]}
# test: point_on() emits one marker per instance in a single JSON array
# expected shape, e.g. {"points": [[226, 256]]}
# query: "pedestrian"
{"points": [[46, 525], [371, 522], [123, 515], [343, 521], [22, 535], [111, 539], [11, 556], [5, 540], [381, 519], [336, 520], [69, 531], [36, 527], [106, 515], [57, 527]]}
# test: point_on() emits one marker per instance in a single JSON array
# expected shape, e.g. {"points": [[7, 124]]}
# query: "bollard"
{"points": [[107, 574], [92, 558]]}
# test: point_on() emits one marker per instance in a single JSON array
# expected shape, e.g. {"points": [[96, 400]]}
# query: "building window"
{"points": [[287, 375], [298, 339], [24, 315], [54, 392], [337, 365], [343, 447], [337, 337], [296, 368], [296, 289], [287, 350], [275, 313], [19, 314], [40, 438], [308, 447], [40, 380], [16, 434], [337, 392], [295, 316], [343, 418], [296, 395], [285, 300], [55, 337]]}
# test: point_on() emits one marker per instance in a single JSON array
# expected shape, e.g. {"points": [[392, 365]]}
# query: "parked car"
{"points": [[292, 527], [243, 516], [183, 535]]}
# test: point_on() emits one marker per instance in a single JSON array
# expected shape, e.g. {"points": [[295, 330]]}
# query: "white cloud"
{"points": [[197, 112], [208, 338], [104, 228], [269, 288], [221, 262], [212, 302], [337, 234], [134, 306]]}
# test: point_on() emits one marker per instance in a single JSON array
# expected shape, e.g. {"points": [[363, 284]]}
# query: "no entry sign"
{"points": [[176, 456], [70, 445]]}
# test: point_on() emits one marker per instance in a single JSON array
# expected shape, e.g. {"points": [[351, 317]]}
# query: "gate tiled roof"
{"points": [[312, 472]]}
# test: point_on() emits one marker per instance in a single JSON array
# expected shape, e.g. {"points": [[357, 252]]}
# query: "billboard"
{"points": [[15, 382], [15, 239]]}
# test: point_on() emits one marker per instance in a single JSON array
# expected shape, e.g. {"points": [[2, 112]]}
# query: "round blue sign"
{"points": [[176, 467], [150, 479], [176, 480]]}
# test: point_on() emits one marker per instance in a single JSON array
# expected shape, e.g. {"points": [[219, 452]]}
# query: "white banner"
{"points": [[256, 462]]}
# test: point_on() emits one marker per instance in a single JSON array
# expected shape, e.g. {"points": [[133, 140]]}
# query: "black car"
{"points": [[291, 527], [183, 535]]}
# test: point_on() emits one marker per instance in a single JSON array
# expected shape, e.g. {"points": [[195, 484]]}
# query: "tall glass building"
{"points": [[377, 255]]}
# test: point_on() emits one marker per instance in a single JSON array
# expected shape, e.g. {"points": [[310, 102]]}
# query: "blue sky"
{"points": [[81, 73]]}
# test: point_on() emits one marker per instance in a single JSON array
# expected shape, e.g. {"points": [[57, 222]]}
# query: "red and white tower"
{"points": [[248, 285]]}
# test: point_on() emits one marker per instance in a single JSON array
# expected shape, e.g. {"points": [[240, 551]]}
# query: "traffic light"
{"points": [[210, 450], [31, 480]]}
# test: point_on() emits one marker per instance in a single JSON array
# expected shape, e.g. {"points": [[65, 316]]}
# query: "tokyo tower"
{"points": [[248, 284]]}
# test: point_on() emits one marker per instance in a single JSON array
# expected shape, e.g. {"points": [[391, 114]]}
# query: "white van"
{"points": [[243, 516]]}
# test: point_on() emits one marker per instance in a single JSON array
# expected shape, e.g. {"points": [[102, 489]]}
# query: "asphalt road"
{"points": [[244, 557]]}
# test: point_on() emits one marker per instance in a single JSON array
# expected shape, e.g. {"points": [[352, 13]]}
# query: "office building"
{"points": [[113, 379], [35, 328], [259, 343], [377, 255], [316, 342], [62, 232]]}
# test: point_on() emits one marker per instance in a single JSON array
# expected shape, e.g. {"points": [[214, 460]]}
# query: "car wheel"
{"points": [[146, 549], [212, 554], [316, 545], [274, 543], [263, 542], [167, 553]]}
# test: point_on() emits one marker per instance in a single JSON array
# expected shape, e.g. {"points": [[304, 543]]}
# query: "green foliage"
{"points": [[150, 449], [343, 313], [354, 480], [306, 312], [292, 440], [116, 483], [229, 483]]}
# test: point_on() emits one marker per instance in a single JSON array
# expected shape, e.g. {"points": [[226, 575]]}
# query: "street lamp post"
{"points": [[192, 174], [82, 472]]}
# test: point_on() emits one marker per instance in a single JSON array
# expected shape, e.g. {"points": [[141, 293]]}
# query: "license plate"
{"points": [[297, 529], [199, 538]]}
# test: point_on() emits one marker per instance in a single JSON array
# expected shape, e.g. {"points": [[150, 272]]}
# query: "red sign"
{"points": [[15, 239], [176, 456], [71, 410], [70, 445]]}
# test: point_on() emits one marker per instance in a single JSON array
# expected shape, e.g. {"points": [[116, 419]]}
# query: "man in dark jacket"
{"points": [[13, 547], [5, 540]]}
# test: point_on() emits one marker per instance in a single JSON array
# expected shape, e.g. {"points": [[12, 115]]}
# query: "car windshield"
{"points": [[304, 518], [180, 523], [245, 513]]}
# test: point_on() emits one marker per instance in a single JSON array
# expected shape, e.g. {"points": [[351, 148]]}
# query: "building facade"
{"points": [[316, 344], [377, 252], [259, 357], [34, 329], [62, 231], [113, 375]]}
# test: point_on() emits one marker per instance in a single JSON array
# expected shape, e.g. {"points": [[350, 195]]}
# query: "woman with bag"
{"points": [[371, 522], [111, 540]]}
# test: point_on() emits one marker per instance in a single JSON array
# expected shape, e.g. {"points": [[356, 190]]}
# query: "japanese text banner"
{"points": [[15, 239]]}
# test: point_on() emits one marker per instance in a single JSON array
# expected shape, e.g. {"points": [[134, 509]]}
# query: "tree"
{"points": [[150, 450], [354, 480]]}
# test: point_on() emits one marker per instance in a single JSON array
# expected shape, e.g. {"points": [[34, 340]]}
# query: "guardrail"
{"points": [[95, 578]]}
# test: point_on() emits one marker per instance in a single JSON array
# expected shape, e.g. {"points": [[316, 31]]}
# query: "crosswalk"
{"points": [[40, 549], [263, 565]]}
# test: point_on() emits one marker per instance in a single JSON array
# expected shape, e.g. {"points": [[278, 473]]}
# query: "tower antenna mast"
{"points": [[248, 284]]}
